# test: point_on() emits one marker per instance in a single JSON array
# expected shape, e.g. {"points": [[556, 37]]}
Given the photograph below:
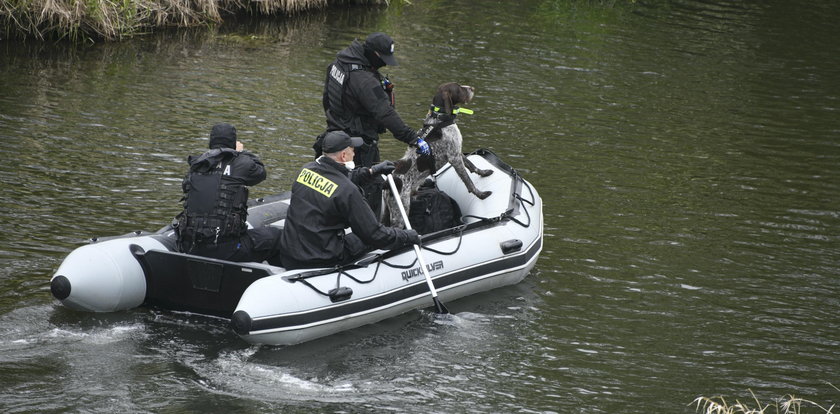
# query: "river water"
{"points": [[688, 155]]}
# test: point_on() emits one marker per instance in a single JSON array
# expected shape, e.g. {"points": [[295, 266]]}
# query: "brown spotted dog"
{"points": [[443, 136]]}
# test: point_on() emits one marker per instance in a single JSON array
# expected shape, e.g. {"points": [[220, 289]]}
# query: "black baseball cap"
{"points": [[336, 141], [383, 44]]}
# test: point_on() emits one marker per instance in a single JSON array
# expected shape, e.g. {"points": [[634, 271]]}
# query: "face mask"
{"points": [[350, 165]]}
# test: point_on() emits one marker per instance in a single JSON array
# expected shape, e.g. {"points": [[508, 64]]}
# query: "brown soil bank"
{"points": [[89, 20]]}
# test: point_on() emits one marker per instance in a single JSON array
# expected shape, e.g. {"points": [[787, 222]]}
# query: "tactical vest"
{"points": [[215, 211], [338, 76]]}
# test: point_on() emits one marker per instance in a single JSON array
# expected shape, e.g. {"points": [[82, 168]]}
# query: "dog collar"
{"points": [[455, 111]]}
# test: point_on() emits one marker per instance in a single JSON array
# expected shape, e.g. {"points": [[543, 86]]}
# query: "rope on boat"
{"points": [[342, 270]]}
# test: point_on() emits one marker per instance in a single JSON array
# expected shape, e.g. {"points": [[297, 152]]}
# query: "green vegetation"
{"points": [[787, 405], [89, 20]]}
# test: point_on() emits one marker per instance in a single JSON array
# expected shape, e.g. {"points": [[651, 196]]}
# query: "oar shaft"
{"points": [[425, 271], [420, 259]]}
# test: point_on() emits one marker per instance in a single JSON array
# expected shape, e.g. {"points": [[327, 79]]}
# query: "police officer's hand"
{"points": [[383, 168], [422, 147], [413, 237]]}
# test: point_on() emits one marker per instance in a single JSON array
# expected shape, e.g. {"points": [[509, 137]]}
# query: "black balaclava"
{"points": [[374, 60], [223, 136]]}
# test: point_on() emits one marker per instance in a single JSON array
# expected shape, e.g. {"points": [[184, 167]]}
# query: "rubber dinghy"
{"points": [[497, 245]]}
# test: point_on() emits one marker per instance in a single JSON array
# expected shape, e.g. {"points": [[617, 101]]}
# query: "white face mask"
{"points": [[350, 165]]}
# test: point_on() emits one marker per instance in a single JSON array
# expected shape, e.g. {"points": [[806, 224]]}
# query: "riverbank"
{"points": [[95, 20]]}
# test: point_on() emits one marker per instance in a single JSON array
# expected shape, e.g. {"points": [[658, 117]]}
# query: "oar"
{"points": [[438, 305]]}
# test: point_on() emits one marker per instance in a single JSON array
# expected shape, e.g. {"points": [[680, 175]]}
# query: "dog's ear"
{"points": [[426, 162], [466, 92], [402, 165], [446, 94], [449, 94]]}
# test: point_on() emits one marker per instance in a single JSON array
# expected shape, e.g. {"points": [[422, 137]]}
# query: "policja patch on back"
{"points": [[317, 182]]}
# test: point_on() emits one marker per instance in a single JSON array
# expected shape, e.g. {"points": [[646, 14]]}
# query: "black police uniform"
{"points": [[357, 102], [325, 202], [213, 223]]}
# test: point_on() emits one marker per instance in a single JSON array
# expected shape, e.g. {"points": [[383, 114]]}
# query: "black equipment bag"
{"points": [[432, 210]]}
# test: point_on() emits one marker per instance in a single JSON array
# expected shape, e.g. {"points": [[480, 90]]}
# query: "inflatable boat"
{"points": [[496, 244]]}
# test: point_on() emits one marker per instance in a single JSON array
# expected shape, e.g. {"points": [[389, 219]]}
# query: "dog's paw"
{"points": [[483, 194], [484, 173]]}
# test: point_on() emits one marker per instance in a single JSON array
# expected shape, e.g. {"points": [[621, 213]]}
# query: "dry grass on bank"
{"points": [[787, 405], [117, 19]]}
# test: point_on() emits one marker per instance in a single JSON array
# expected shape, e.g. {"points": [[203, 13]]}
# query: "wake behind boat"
{"points": [[497, 245]]}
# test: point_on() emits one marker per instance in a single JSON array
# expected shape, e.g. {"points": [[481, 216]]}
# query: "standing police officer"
{"points": [[325, 202], [359, 100], [213, 223]]}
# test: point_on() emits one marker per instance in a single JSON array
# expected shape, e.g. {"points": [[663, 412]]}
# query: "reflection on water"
{"points": [[686, 153]]}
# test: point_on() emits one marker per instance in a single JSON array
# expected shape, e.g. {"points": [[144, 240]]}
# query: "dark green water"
{"points": [[687, 152]]}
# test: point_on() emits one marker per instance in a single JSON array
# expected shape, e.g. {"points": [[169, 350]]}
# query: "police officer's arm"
{"points": [[252, 169], [367, 227], [185, 183], [325, 100], [374, 100], [362, 175]]}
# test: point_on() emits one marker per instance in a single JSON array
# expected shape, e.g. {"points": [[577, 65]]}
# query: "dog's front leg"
{"points": [[473, 168], [458, 164]]}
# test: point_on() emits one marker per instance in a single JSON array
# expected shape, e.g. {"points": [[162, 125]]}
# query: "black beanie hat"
{"points": [[223, 135]]}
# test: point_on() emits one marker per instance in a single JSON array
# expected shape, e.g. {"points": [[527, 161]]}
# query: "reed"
{"points": [[91, 20], [789, 404]]}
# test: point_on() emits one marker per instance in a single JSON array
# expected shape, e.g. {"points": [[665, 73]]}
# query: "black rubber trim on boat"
{"points": [[136, 233], [167, 240], [60, 287], [350, 308], [241, 322], [511, 246]]}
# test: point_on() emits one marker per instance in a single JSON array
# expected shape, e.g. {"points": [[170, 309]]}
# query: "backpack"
{"points": [[432, 210]]}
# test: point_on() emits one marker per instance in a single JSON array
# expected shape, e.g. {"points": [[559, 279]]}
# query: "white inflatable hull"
{"points": [[276, 311]]}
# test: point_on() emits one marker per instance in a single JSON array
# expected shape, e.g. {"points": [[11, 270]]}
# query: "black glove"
{"points": [[383, 168], [413, 237]]}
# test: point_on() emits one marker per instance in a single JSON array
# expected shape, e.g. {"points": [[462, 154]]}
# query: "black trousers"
{"points": [[257, 245], [354, 247]]}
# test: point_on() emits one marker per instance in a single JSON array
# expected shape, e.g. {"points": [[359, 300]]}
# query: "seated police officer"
{"points": [[325, 201], [213, 223]]}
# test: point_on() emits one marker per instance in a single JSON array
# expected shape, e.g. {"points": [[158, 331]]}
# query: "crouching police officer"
{"points": [[325, 201], [213, 223]]}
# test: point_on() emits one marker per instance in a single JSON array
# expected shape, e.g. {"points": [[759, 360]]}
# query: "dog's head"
{"points": [[452, 94]]}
